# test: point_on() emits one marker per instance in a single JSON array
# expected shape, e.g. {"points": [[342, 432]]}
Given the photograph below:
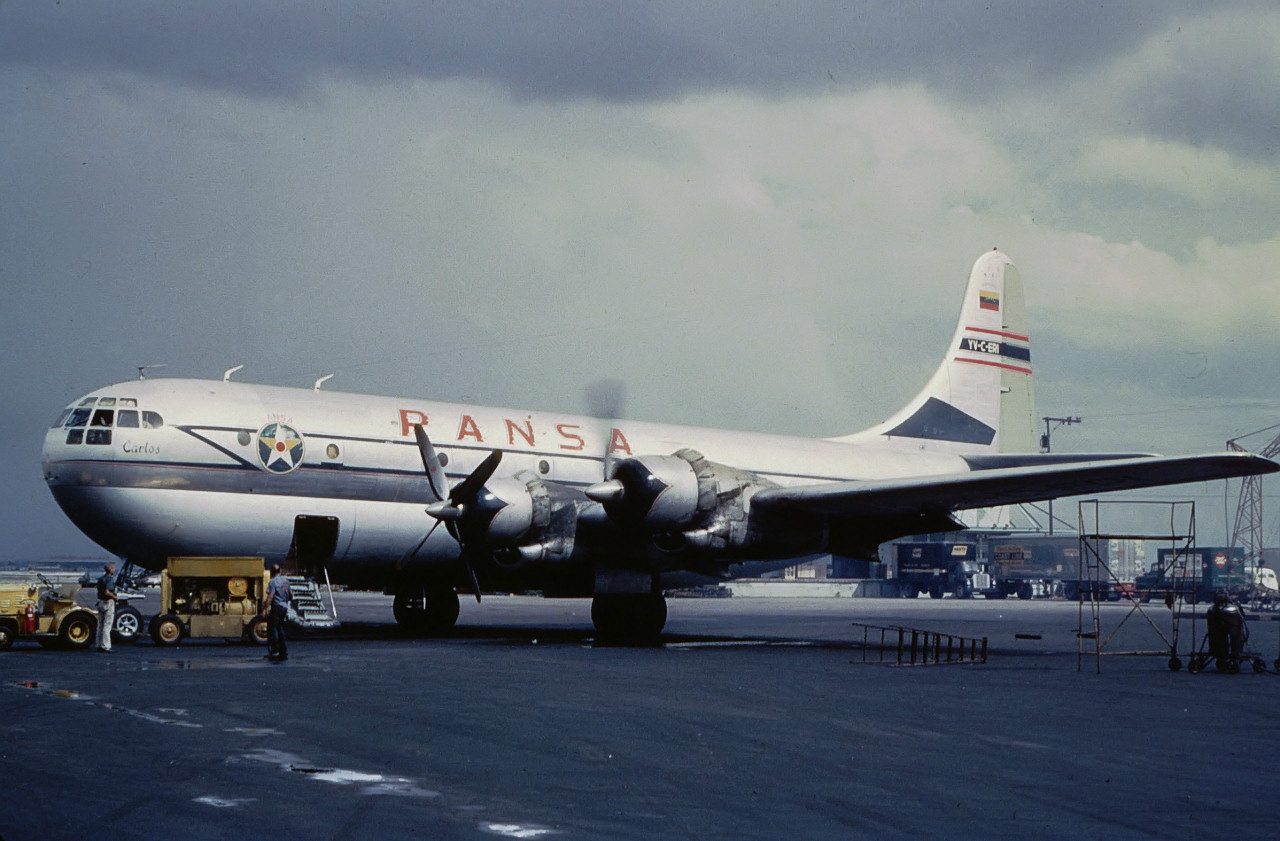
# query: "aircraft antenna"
{"points": [[143, 369], [226, 375], [321, 382]]}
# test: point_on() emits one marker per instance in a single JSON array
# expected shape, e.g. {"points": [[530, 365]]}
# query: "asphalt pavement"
{"points": [[755, 718]]}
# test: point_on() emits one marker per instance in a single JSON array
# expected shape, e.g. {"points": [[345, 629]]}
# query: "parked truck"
{"points": [[997, 566], [939, 568], [1196, 574], [1030, 567]]}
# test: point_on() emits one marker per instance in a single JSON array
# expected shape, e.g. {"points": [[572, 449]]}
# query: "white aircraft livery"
{"points": [[566, 505]]}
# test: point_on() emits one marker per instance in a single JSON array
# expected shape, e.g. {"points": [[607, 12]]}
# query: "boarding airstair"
{"points": [[309, 607]]}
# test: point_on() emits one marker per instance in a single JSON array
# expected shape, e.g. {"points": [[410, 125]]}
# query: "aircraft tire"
{"points": [[128, 625], [426, 611], [629, 618], [77, 630]]}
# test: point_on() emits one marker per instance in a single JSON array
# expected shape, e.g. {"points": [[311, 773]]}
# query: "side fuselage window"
{"points": [[151, 420]]}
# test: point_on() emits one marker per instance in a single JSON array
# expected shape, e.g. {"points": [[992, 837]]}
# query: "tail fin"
{"points": [[980, 399]]}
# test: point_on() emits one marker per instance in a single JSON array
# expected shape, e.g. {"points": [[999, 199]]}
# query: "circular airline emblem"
{"points": [[280, 447], [1220, 560]]}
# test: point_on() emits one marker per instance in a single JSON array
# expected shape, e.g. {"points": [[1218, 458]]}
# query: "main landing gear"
{"points": [[619, 618], [628, 618], [425, 611]]}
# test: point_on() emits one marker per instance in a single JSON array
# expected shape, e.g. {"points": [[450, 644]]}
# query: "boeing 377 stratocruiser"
{"points": [[562, 504]]}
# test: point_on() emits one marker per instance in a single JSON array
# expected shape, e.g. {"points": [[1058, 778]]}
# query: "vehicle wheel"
{"points": [[257, 631], [963, 592], [1258, 666], [629, 618], [8, 634], [1024, 592], [935, 592], [167, 629], [128, 625], [77, 630], [423, 611], [1195, 665], [1175, 664]]}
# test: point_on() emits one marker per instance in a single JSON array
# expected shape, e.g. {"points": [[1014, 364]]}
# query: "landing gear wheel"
{"points": [[426, 611], [128, 625], [167, 630], [77, 630], [257, 631], [629, 618], [1175, 664]]}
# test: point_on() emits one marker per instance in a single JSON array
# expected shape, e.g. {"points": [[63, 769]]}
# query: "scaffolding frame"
{"points": [[1097, 580]]}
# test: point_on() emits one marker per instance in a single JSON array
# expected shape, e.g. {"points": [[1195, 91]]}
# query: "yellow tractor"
{"points": [[33, 607], [211, 597]]}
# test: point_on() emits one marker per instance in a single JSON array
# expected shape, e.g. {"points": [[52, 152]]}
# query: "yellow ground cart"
{"points": [[211, 597], [33, 607]]}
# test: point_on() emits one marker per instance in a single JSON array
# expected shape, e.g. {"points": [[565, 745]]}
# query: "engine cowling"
{"points": [[656, 492], [522, 519]]}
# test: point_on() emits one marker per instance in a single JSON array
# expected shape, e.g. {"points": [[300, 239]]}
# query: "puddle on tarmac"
{"points": [[363, 782], [515, 830], [225, 802]]}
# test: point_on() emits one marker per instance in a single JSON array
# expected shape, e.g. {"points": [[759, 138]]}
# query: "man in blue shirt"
{"points": [[276, 609], [106, 605]]}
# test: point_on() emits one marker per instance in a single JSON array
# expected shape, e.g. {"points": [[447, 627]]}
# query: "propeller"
{"points": [[605, 399], [450, 505]]}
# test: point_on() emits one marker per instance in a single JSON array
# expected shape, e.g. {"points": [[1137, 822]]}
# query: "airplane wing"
{"points": [[893, 498]]}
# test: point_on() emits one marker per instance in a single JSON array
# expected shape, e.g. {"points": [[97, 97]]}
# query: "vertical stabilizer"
{"points": [[980, 398]]}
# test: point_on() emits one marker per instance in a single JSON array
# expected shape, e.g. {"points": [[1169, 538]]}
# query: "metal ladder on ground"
{"points": [[309, 609]]}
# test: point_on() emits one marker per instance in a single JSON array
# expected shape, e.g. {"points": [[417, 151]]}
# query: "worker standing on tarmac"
{"points": [[106, 605], [276, 609]]}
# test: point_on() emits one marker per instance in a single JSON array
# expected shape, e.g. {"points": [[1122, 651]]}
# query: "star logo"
{"points": [[280, 447]]}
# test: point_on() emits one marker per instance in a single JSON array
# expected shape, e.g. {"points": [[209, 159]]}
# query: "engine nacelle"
{"points": [[656, 492], [523, 519]]}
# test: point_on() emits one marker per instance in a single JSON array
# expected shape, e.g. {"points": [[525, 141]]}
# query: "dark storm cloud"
{"points": [[552, 50]]}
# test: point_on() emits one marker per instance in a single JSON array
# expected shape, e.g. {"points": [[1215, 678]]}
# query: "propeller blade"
{"points": [[475, 585], [412, 553], [431, 463], [605, 399], [471, 485]]}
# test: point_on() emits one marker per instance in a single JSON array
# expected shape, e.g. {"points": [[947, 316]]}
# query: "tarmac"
{"points": [[754, 718]]}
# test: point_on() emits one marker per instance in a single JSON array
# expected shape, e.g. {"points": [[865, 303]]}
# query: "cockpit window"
{"points": [[103, 417], [79, 417], [97, 435], [88, 401], [75, 436], [127, 418], [151, 420], [62, 416], [107, 401], [128, 401]]}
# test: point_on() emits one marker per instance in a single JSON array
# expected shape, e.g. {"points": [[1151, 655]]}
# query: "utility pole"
{"points": [[1046, 446]]}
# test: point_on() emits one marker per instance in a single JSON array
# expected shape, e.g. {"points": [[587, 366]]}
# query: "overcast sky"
{"points": [[757, 215]]}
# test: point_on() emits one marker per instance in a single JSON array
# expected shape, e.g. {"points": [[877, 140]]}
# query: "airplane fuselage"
{"points": [[224, 467]]}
